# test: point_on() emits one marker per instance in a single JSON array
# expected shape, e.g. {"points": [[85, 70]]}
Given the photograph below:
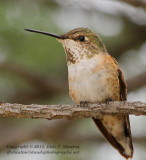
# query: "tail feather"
{"points": [[123, 145]]}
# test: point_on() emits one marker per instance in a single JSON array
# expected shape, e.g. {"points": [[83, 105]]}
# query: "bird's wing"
{"points": [[123, 86], [122, 141]]}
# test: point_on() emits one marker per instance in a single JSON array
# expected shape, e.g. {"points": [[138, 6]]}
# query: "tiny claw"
{"points": [[124, 102], [84, 104], [109, 100]]}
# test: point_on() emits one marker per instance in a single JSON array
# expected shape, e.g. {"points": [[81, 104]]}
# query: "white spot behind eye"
{"points": [[86, 38]]}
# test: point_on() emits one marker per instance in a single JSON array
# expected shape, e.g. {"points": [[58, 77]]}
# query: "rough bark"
{"points": [[71, 111]]}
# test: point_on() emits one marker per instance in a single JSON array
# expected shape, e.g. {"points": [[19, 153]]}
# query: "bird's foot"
{"points": [[109, 100], [84, 104], [124, 102]]}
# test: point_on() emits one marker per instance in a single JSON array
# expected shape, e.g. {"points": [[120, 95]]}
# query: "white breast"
{"points": [[84, 85]]}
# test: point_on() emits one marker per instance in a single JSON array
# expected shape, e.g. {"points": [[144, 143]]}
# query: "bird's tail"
{"points": [[116, 130]]}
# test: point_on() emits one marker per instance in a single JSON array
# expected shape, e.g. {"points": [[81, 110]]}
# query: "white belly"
{"points": [[84, 85]]}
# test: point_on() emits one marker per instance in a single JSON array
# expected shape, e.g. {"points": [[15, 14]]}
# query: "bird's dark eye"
{"points": [[81, 38]]}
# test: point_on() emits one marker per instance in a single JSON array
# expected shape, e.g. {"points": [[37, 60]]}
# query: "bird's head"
{"points": [[79, 44]]}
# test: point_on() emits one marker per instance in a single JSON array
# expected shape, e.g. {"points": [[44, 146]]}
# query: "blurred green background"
{"points": [[33, 70]]}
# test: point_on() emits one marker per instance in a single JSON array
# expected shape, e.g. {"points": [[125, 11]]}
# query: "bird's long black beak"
{"points": [[46, 33]]}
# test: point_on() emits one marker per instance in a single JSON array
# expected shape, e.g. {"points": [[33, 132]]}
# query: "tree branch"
{"points": [[41, 132], [71, 111], [136, 81], [40, 82], [136, 37], [136, 3]]}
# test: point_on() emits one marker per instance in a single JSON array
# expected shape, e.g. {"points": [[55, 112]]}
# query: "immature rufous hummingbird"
{"points": [[94, 76]]}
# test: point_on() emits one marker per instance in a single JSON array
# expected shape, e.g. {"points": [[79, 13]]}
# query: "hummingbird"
{"points": [[94, 76]]}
